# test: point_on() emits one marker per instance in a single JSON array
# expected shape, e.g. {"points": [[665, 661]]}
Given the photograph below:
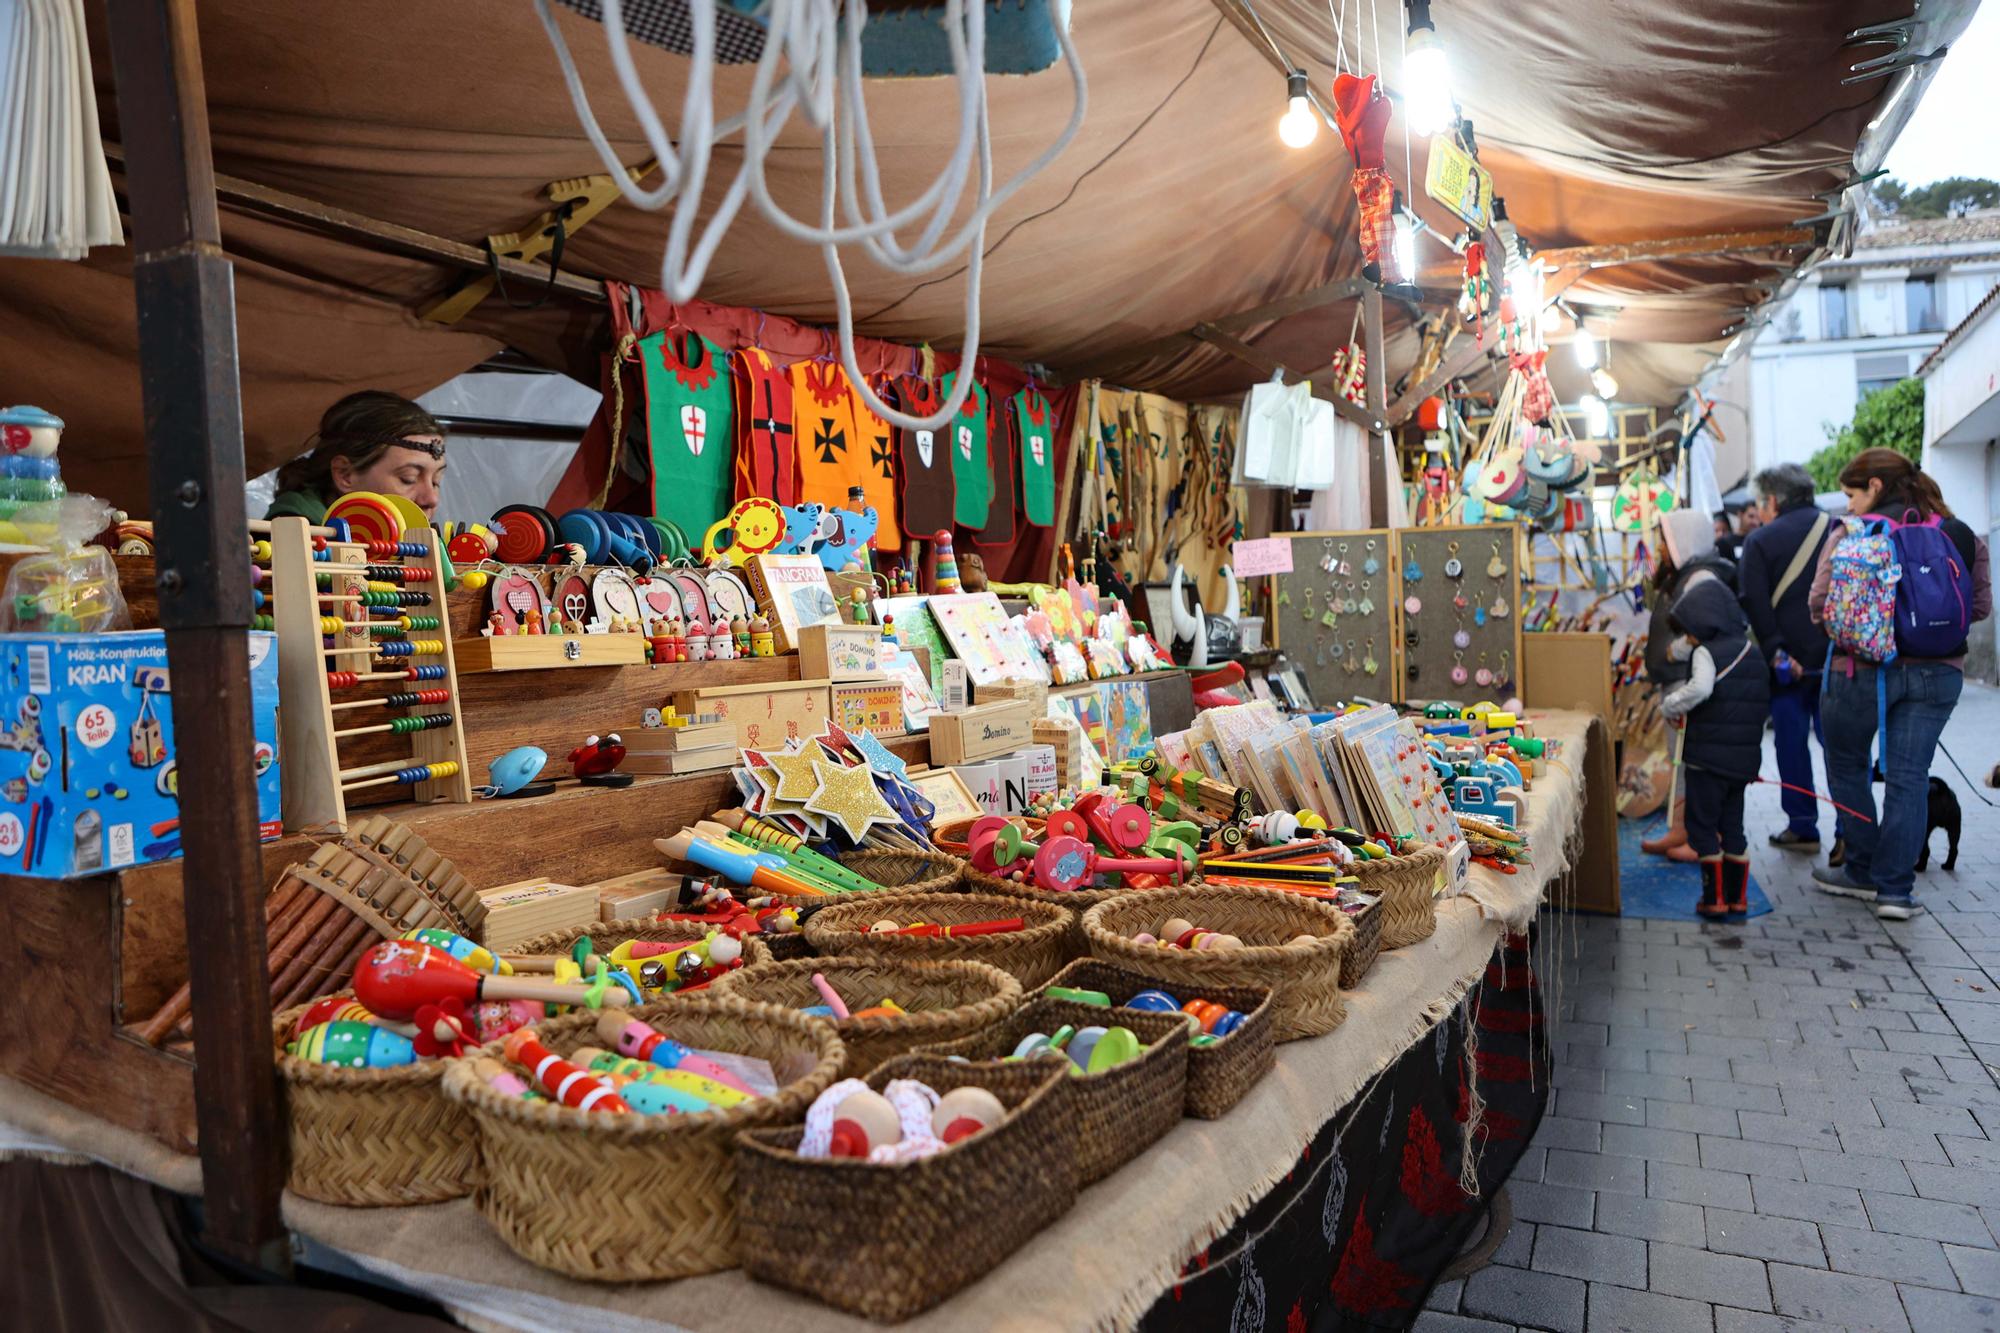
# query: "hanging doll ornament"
{"points": [[1538, 397], [1642, 497], [1363, 118], [1478, 288]]}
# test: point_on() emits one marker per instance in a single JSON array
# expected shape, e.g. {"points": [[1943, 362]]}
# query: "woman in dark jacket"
{"points": [[1722, 704]]}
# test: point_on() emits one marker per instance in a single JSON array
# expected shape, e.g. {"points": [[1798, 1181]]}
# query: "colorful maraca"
{"points": [[346, 1009], [397, 977], [464, 950], [559, 1078], [353, 1045]]}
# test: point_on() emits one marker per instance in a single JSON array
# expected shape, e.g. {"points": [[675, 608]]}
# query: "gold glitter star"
{"points": [[848, 797], [795, 772]]}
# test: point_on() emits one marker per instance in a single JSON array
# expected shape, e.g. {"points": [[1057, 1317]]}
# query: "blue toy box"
{"points": [[88, 781]]}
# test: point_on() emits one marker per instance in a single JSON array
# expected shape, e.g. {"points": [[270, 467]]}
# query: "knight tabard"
{"points": [[1036, 424], [829, 454], [971, 471], [687, 429], [928, 486], [764, 464]]}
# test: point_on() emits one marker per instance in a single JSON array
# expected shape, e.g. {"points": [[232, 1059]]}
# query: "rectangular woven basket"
{"points": [[1218, 1075], [889, 1240], [1118, 1113], [1362, 946], [1407, 884]]}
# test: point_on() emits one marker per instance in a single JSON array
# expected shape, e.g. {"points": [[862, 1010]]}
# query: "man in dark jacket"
{"points": [[1776, 573]]}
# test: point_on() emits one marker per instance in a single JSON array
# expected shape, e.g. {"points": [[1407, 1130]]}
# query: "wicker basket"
{"points": [[1304, 979], [1032, 955], [907, 872], [1408, 907], [1362, 946], [944, 1000], [1218, 1075], [633, 1198], [1118, 1113], [890, 1240], [373, 1138], [613, 933]]}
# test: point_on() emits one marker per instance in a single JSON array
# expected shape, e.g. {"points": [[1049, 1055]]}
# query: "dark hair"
{"points": [[1905, 486], [1788, 484], [360, 428]]}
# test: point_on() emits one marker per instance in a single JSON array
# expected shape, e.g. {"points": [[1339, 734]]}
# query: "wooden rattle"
{"points": [[1066, 863], [397, 977], [963, 1112], [862, 1122]]}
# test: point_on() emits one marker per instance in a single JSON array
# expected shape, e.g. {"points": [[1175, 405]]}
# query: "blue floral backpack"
{"points": [[1860, 615]]}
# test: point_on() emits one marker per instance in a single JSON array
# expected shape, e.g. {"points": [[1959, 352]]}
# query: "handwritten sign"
{"points": [[1268, 555]]}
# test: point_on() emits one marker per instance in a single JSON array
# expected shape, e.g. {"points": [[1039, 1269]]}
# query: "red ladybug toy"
{"points": [[595, 760]]}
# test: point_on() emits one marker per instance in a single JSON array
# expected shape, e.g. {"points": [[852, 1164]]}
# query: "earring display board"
{"points": [[1335, 615], [1459, 611]]}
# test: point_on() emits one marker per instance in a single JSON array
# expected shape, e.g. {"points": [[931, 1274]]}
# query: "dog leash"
{"points": [[1967, 780]]}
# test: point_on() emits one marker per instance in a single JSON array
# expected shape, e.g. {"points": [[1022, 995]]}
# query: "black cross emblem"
{"points": [[826, 440], [774, 428], [880, 455]]}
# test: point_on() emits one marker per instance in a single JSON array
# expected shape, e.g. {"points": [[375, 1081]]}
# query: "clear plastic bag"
{"points": [[73, 588]]}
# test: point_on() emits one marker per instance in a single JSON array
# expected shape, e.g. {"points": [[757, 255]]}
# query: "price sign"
{"points": [[1268, 555]]}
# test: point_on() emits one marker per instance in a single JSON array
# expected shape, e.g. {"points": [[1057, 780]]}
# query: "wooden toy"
{"points": [[594, 762], [396, 978], [339, 1007], [735, 866], [353, 1045], [637, 1041], [1067, 863], [965, 1111], [560, 1079], [832, 997], [863, 1120], [501, 1079], [685, 1090], [464, 950]]}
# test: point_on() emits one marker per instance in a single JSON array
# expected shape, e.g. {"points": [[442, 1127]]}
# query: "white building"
{"points": [[1962, 434], [1863, 323]]}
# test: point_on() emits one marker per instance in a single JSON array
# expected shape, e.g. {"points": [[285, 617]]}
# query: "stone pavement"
{"points": [[1788, 1124]]}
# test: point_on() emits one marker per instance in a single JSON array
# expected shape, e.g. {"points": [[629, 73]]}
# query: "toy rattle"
{"points": [[565, 1082], [637, 1041], [398, 977], [1065, 863]]}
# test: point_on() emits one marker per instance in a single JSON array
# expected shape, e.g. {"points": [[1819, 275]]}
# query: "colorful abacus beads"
{"points": [[407, 623], [390, 550], [425, 673], [574, 1087], [428, 772], [412, 648], [330, 624], [413, 698], [403, 726], [399, 573]]}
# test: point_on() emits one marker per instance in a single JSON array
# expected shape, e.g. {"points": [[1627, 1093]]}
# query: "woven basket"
{"points": [[1408, 907], [634, 1198], [944, 1000], [1032, 955], [1304, 979], [613, 933], [373, 1138], [1118, 1113], [1362, 947], [890, 1240], [907, 872], [1218, 1075]]}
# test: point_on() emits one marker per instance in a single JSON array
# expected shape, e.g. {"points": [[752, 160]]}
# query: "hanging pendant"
{"points": [[1459, 601], [1334, 651], [1368, 662], [1326, 554], [1453, 566], [1284, 597], [1483, 676], [1349, 660], [1341, 567], [1496, 567], [1330, 620], [1458, 675], [1371, 566], [1479, 616], [1413, 604], [1347, 603], [1367, 604], [1412, 571], [1460, 639], [1306, 612], [1500, 608]]}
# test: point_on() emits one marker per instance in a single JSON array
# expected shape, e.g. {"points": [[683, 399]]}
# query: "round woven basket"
{"points": [[634, 1198], [943, 1001], [907, 872], [373, 1138], [1304, 979], [1408, 907], [1032, 954], [613, 933]]}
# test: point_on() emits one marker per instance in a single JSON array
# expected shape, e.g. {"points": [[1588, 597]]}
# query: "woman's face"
{"points": [[411, 473], [1863, 499]]}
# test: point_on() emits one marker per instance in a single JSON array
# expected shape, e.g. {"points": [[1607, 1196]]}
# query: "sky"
{"points": [[1952, 133]]}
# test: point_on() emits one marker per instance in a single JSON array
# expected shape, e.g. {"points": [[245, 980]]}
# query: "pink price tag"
{"points": [[1266, 555]]}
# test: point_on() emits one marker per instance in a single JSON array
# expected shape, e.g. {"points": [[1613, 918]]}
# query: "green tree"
{"points": [[1891, 418], [1952, 197]]}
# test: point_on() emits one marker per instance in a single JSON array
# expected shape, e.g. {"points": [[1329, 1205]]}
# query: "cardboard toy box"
{"points": [[88, 780]]}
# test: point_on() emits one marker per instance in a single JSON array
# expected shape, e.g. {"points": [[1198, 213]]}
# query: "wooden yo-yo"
{"points": [[1129, 827], [965, 1111]]}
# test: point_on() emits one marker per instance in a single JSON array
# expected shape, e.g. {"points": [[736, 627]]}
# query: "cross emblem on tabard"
{"points": [[826, 439], [694, 428], [880, 454]]}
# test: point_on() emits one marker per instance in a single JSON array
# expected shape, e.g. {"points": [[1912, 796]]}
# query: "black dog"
{"points": [[1942, 812]]}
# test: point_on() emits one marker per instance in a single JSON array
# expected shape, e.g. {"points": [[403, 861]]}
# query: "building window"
{"points": [[1833, 311], [1878, 372], [1920, 305]]}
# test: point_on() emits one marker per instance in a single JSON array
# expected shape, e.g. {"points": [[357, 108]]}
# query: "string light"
{"points": [[1299, 126], [1584, 346], [1596, 415], [1426, 75], [1606, 386], [1406, 246]]}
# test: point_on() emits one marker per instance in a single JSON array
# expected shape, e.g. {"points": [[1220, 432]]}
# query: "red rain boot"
{"points": [[1714, 905], [1736, 886]]}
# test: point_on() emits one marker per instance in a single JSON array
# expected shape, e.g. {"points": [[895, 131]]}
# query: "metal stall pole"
{"points": [[194, 452]]}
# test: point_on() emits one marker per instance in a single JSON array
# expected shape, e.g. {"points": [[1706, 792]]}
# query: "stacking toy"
{"points": [[638, 1041], [963, 1112], [397, 977], [862, 1122], [574, 1087], [353, 1045]]}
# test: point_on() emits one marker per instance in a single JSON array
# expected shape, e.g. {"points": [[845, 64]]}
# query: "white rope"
{"points": [[811, 64], [1340, 65]]}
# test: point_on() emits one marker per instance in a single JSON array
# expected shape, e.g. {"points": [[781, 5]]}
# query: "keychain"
{"points": [[1334, 651], [1412, 571], [1326, 554], [1349, 660], [1458, 674], [1367, 604], [1330, 619], [1413, 604], [1344, 569], [1460, 639], [1483, 676], [1348, 604], [1368, 663], [1453, 567], [1319, 657], [1479, 616], [1459, 600], [1371, 566], [1496, 568], [1410, 669], [1504, 678], [1307, 612], [1410, 637], [1500, 609]]}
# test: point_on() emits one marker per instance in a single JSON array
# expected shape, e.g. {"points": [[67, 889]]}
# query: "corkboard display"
{"points": [[1318, 616], [1479, 609]]}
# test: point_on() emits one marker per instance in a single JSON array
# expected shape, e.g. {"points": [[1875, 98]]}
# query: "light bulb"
{"points": [[1299, 126], [1406, 248], [1426, 76], [1551, 319], [1606, 386], [1585, 347], [1596, 416]]}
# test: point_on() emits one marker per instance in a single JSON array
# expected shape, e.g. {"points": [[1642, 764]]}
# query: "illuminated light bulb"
{"points": [[1585, 347], [1596, 416], [1607, 387], [1551, 319], [1299, 126], [1426, 76], [1406, 248]]}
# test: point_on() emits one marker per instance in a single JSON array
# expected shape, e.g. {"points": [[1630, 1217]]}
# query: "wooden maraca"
{"points": [[397, 977]]}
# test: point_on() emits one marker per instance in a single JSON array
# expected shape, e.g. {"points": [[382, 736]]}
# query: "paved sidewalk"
{"points": [[1790, 1124]]}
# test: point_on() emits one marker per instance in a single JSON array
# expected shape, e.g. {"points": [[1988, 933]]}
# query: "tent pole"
{"points": [[1377, 388], [194, 449]]}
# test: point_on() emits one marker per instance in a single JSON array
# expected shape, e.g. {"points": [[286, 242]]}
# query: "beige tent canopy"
{"points": [[1620, 126]]}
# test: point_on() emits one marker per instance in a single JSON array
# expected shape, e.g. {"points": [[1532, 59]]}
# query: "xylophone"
{"points": [[349, 614]]}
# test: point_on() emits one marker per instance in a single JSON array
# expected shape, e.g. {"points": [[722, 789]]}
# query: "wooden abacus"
{"points": [[378, 882], [332, 601]]}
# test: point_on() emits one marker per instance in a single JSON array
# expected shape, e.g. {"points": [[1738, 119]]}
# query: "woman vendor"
{"points": [[368, 441]]}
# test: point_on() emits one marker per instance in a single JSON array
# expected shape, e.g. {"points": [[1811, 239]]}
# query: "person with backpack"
{"points": [[1775, 571], [1721, 705], [1898, 588]]}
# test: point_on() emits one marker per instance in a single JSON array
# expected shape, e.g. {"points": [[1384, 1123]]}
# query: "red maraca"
{"points": [[1069, 863], [397, 977]]}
